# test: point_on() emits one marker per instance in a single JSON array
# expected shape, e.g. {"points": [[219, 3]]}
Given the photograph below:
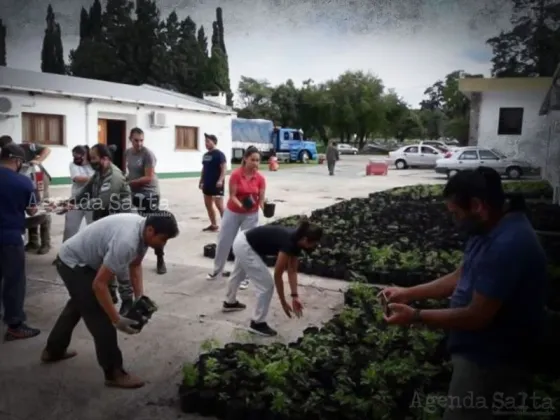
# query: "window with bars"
{"points": [[47, 129], [186, 138]]}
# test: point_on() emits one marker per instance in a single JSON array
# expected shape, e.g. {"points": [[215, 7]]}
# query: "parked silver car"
{"points": [[416, 155], [346, 149], [474, 157]]}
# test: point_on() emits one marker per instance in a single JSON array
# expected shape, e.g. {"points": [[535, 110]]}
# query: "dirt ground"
{"points": [[189, 315]]}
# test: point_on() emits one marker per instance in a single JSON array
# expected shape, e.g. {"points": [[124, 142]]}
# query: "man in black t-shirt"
{"points": [[212, 180]]}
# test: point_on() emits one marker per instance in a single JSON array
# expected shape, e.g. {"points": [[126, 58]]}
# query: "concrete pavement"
{"points": [[189, 317]]}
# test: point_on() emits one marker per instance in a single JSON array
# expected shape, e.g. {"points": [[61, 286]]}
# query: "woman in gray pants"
{"points": [[247, 189]]}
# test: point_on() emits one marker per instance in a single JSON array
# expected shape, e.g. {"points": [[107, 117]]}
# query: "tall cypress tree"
{"points": [[146, 44], [224, 56], [117, 29], [52, 55], [3, 33], [95, 16], [85, 31]]}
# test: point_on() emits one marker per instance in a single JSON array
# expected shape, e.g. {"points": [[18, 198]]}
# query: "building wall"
{"points": [[530, 145], [81, 127], [551, 170]]}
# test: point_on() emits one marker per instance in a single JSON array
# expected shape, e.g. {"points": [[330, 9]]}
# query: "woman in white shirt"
{"points": [[80, 173]]}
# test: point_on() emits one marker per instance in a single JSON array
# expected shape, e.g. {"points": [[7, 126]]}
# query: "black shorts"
{"points": [[213, 191]]}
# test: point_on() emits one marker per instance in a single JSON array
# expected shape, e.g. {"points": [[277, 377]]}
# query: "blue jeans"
{"points": [[12, 283]]}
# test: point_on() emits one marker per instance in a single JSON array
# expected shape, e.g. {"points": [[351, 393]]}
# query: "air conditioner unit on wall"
{"points": [[158, 119]]}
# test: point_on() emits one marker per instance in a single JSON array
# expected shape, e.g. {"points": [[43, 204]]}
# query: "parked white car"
{"points": [[474, 157], [415, 155], [346, 149], [440, 145]]}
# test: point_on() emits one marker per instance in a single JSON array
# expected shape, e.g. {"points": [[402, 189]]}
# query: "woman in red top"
{"points": [[247, 189]]}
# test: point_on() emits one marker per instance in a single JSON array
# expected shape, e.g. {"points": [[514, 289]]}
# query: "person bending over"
{"points": [[250, 248], [247, 189], [497, 307], [87, 262]]}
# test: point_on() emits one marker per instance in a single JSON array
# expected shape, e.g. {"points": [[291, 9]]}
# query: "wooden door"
{"points": [[102, 131]]}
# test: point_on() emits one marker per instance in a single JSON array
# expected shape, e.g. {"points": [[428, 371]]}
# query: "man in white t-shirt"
{"points": [[80, 173], [87, 262]]}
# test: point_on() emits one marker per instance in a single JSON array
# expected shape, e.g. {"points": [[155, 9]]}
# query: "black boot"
{"points": [[160, 267]]}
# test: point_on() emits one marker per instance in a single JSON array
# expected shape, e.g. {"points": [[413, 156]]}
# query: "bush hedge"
{"points": [[355, 366]]}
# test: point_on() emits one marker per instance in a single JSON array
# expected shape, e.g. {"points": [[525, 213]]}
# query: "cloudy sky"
{"points": [[409, 44]]}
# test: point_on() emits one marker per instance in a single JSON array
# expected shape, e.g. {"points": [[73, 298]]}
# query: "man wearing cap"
{"points": [[212, 180], [17, 196]]}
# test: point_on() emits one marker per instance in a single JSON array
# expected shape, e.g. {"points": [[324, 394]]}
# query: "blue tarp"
{"points": [[251, 131]]}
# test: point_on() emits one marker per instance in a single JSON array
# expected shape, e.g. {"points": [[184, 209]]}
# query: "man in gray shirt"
{"points": [[143, 182], [87, 262]]}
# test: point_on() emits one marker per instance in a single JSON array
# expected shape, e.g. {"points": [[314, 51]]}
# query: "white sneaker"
{"points": [[211, 276], [244, 284]]}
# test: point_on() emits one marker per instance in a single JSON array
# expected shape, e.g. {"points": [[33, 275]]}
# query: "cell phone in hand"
{"points": [[385, 303]]}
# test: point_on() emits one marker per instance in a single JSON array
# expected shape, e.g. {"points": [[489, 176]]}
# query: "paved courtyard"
{"points": [[189, 315]]}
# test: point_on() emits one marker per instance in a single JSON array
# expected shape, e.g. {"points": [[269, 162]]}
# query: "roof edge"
{"points": [[108, 99], [491, 84]]}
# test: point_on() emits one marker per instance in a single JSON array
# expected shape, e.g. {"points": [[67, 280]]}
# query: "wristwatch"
{"points": [[416, 318]]}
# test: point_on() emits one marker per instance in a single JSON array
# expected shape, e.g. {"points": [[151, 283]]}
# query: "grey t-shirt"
{"points": [[137, 163], [114, 241]]}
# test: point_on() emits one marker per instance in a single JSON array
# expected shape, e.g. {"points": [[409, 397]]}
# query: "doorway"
{"points": [[113, 133]]}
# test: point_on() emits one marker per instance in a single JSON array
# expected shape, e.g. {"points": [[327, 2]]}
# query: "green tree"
{"points": [[449, 106], [532, 46], [285, 100], [148, 50], [117, 29], [85, 30], [52, 54], [186, 57], [3, 33], [218, 78], [357, 107], [225, 58], [256, 99], [95, 20]]}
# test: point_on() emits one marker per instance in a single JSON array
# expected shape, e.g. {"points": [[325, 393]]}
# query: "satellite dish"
{"points": [[5, 105]]}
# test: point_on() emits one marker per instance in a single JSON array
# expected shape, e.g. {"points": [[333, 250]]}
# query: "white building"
{"points": [[519, 116], [62, 112], [550, 110]]}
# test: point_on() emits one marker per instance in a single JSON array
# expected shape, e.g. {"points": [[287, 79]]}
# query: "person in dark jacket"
{"points": [[332, 156], [17, 196]]}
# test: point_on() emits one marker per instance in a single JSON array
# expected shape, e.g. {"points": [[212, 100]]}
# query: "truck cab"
{"points": [[291, 145]]}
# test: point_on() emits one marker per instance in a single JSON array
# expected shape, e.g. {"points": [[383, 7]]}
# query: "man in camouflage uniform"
{"points": [[39, 236], [107, 192]]}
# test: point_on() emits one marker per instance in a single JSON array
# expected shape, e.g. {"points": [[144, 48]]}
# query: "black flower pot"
{"points": [[207, 403], [269, 210], [188, 399], [209, 251], [235, 410]]}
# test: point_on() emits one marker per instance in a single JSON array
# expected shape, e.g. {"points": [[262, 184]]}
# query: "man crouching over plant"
{"points": [[497, 295], [87, 262]]}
